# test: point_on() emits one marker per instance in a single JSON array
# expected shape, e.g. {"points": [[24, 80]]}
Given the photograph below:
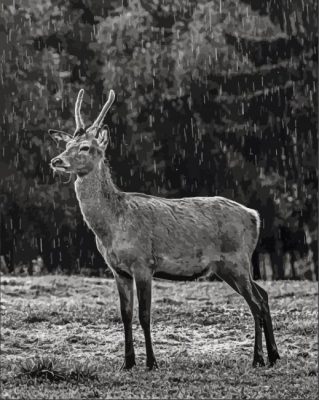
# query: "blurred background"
{"points": [[212, 98]]}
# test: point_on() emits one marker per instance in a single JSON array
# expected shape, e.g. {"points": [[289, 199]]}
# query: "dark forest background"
{"points": [[213, 98]]}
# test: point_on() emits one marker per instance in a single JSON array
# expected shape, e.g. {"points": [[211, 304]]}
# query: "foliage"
{"points": [[52, 369], [212, 98]]}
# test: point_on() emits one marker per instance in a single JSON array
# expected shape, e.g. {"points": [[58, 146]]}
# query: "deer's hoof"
{"points": [[258, 361], [152, 365], [127, 365], [272, 358]]}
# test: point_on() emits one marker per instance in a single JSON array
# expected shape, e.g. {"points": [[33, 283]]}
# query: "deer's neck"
{"points": [[99, 199]]}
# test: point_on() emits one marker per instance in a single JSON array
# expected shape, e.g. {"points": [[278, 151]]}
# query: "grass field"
{"points": [[61, 338]]}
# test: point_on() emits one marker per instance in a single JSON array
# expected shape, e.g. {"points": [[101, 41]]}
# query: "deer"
{"points": [[142, 237]]}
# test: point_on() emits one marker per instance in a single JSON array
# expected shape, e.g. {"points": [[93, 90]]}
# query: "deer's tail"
{"points": [[255, 221]]}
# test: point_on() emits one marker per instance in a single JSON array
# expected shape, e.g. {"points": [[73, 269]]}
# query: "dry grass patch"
{"points": [[62, 338]]}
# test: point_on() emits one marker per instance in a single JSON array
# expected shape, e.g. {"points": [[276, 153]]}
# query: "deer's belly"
{"points": [[183, 267], [174, 276]]}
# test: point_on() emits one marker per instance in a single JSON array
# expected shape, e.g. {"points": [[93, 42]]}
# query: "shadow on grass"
{"points": [[35, 318]]}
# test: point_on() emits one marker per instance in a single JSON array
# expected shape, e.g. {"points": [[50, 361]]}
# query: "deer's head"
{"points": [[85, 148]]}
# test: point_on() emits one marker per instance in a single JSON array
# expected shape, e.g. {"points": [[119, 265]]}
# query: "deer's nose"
{"points": [[57, 161]]}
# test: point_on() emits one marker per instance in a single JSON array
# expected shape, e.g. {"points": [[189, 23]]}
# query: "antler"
{"points": [[99, 120], [78, 119]]}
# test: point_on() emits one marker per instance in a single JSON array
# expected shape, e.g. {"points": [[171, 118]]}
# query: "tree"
{"points": [[212, 98]]}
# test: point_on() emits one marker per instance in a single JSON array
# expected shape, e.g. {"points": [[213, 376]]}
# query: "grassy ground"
{"points": [[61, 338]]}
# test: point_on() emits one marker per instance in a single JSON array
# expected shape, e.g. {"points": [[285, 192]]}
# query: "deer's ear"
{"points": [[60, 136], [103, 136]]}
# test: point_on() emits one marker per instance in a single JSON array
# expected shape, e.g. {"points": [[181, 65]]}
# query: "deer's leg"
{"points": [[144, 295], [125, 288], [272, 350], [256, 310], [239, 279]]}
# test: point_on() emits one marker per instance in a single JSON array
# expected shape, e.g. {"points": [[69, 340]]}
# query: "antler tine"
{"points": [[98, 122], [77, 112]]}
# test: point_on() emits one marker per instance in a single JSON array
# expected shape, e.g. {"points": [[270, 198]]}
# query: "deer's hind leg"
{"points": [[237, 275], [272, 350]]}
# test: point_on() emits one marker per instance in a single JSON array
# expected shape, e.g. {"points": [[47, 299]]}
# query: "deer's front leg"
{"points": [[125, 288], [144, 295]]}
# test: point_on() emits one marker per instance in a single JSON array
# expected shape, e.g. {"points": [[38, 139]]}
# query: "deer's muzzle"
{"points": [[57, 163]]}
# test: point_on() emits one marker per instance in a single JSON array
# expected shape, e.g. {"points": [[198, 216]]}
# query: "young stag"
{"points": [[142, 236]]}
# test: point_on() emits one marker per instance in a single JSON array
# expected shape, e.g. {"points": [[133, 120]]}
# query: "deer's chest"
{"points": [[120, 254], [114, 238], [95, 218]]}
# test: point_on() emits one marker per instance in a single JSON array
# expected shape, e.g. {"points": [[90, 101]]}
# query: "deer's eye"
{"points": [[84, 148]]}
